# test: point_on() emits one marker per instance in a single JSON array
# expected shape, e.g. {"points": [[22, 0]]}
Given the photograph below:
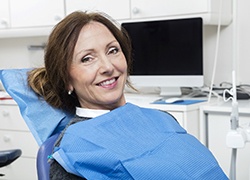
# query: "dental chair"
{"points": [[44, 121], [9, 156], [45, 129], [43, 154]]}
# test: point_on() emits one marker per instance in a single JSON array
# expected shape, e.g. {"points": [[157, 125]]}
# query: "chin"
{"points": [[117, 100]]}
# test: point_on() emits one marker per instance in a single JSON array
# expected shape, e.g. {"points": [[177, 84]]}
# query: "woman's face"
{"points": [[98, 71]]}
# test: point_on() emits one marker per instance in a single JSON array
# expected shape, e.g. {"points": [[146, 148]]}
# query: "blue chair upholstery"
{"points": [[8, 156], [44, 151]]}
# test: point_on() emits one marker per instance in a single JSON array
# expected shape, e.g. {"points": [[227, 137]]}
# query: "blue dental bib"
{"points": [[135, 143]]}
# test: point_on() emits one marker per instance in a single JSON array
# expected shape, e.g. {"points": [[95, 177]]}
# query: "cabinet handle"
{"points": [[36, 47], [57, 18], [6, 138], [5, 113], [4, 22], [135, 10]]}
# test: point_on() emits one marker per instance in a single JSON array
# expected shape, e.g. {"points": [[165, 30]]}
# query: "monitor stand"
{"points": [[170, 91]]}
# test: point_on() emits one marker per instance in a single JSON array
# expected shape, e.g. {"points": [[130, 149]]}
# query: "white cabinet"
{"points": [[14, 134], [4, 14], [215, 124], [37, 17], [28, 18], [168, 9], [186, 115], [116, 9], [134, 10], [35, 13]]}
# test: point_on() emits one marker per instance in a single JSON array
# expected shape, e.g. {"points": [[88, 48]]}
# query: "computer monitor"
{"points": [[167, 54]]}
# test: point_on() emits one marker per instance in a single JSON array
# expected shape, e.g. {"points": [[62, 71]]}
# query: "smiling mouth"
{"points": [[108, 82]]}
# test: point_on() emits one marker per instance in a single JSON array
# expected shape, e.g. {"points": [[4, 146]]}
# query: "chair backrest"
{"points": [[44, 151]]}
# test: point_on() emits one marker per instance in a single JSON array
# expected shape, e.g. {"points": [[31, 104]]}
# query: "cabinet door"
{"points": [[11, 118], [114, 8], [20, 169], [218, 127], [158, 8], [4, 14], [35, 13], [19, 140]]}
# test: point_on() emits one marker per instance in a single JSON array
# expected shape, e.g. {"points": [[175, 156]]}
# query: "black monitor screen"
{"points": [[167, 47]]}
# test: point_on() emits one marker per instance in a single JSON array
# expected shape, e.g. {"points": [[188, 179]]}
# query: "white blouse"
{"points": [[90, 113]]}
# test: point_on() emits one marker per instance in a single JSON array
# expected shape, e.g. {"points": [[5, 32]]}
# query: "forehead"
{"points": [[93, 34], [94, 29]]}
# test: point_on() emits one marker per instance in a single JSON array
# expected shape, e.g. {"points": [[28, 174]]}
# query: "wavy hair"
{"points": [[51, 81]]}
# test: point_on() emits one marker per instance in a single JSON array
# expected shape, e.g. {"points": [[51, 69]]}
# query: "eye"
{"points": [[86, 59], [113, 50]]}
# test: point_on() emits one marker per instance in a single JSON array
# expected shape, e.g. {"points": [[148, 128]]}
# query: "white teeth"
{"points": [[105, 83]]}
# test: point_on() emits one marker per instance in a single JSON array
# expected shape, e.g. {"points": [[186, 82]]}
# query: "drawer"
{"points": [[22, 168], [178, 116], [11, 118], [19, 140]]}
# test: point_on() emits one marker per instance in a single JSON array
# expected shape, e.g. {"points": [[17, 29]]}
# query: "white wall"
{"points": [[225, 54], [15, 54], [244, 41], [224, 58]]}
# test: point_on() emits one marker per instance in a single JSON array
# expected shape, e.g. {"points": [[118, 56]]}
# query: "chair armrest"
{"points": [[8, 156]]}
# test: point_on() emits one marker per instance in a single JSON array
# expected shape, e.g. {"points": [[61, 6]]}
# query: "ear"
{"points": [[70, 87]]}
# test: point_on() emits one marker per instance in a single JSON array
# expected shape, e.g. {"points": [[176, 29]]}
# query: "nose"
{"points": [[106, 66]]}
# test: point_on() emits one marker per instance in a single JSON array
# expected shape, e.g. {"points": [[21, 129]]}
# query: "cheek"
{"points": [[122, 65], [79, 76]]}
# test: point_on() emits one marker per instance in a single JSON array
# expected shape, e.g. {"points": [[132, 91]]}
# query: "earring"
{"points": [[69, 92]]}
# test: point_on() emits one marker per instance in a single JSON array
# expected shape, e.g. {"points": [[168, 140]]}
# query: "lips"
{"points": [[108, 82]]}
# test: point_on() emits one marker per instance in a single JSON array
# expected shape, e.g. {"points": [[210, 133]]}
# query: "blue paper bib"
{"points": [[42, 119], [135, 143]]}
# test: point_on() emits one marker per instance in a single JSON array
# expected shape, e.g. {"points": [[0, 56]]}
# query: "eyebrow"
{"points": [[91, 49]]}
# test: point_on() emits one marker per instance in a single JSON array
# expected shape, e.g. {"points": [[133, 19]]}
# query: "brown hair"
{"points": [[51, 82]]}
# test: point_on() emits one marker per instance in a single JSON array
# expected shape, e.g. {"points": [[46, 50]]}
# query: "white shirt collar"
{"points": [[90, 113]]}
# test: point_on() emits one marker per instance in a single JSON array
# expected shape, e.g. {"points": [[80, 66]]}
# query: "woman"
{"points": [[87, 64]]}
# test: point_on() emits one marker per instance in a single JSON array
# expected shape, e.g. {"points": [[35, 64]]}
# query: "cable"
{"points": [[216, 51]]}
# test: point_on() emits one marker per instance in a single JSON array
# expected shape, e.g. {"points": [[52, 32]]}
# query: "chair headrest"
{"points": [[42, 119]]}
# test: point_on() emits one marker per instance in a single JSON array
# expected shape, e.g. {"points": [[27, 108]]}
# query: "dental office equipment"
{"points": [[237, 136]]}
